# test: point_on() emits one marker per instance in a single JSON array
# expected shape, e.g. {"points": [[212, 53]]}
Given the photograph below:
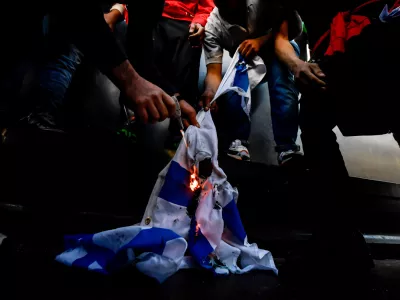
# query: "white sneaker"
{"points": [[238, 151], [287, 157]]}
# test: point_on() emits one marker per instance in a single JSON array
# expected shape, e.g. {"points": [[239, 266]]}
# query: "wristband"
{"points": [[118, 7]]}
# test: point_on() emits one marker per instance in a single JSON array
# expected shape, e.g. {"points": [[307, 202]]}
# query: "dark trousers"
{"points": [[362, 99], [175, 57], [140, 45]]}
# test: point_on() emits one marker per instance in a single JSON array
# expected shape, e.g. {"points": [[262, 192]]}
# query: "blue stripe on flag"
{"points": [[241, 77], [148, 240], [96, 253], [230, 214], [176, 185], [200, 248]]}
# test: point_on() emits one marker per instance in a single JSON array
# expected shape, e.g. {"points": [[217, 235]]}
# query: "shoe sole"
{"points": [[244, 158]]}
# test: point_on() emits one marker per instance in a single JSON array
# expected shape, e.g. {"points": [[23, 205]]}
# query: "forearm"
{"points": [[123, 75], [285, 53], [90, 33], [113, 17], [283, 49], [212, 81], [265, 38]]}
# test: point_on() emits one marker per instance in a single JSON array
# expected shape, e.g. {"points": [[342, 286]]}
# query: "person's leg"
{"points": [[176, 58], [328, 173], [59, 64], [335, 239], [284, 105], [145, 16], [55, 78]]}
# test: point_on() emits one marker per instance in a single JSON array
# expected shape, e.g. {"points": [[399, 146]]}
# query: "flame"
{"points": [[197, 229], [194, 181]]}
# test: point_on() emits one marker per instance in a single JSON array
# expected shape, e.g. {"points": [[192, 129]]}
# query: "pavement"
{"points": [[32, 273]]}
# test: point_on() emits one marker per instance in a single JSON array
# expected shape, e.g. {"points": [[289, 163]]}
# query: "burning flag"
{"points": [[192, 207]]}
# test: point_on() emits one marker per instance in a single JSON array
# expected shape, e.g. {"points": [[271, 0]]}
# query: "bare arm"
{"points": [[250, 48], [214, 77], [212, 82], [283, 48], [112, 18], [305, 73]]}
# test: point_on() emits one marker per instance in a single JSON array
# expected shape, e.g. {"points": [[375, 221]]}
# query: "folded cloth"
{"points": [[386, 16], [156, 252], [241, 78], [215, 234], [212, 231], [234, 99]]}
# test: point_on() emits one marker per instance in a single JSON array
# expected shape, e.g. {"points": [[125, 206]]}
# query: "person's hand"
{"points": [[250, 48], [206, 99], [188, 114], [196, 34], [309, 75], [149, 101]]}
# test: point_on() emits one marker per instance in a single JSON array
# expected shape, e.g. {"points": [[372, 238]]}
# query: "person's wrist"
{"points": [[295, 64], [126, 76], [209, 91]]}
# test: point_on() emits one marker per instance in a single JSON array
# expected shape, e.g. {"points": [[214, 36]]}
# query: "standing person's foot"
{"points": [[35, 128], [238, 151], [43, 122], [290, 158]]}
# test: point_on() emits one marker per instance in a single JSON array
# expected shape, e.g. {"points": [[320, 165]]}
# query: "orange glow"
{"points": [[194, 181], [197, 229]]}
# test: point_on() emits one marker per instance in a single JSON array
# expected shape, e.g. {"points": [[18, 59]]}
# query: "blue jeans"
{"points": [[55, 75], [284, 97]]}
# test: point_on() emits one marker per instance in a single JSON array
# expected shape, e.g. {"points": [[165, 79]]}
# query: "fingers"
{"points": [[242, 47], [154, 116], [162, 109], [189, 113], [315, 80], [192, 28], [245, 50], [316, 70], [311, 76], [309, 81], [214, 107], [186, 123], [169, 104], [197, 34], [248, 51], [206, 103], [143, 116]]}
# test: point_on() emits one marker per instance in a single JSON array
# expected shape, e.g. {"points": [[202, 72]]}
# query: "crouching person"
{"points": [[248, 27], [92, 38], [350, 83]]}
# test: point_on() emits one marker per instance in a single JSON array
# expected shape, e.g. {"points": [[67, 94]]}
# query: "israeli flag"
{"points": [[235, 89], [181, 228]]}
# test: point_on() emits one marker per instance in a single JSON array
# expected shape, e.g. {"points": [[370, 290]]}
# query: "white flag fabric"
{"points": [[253, 73], [178, 222]]}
